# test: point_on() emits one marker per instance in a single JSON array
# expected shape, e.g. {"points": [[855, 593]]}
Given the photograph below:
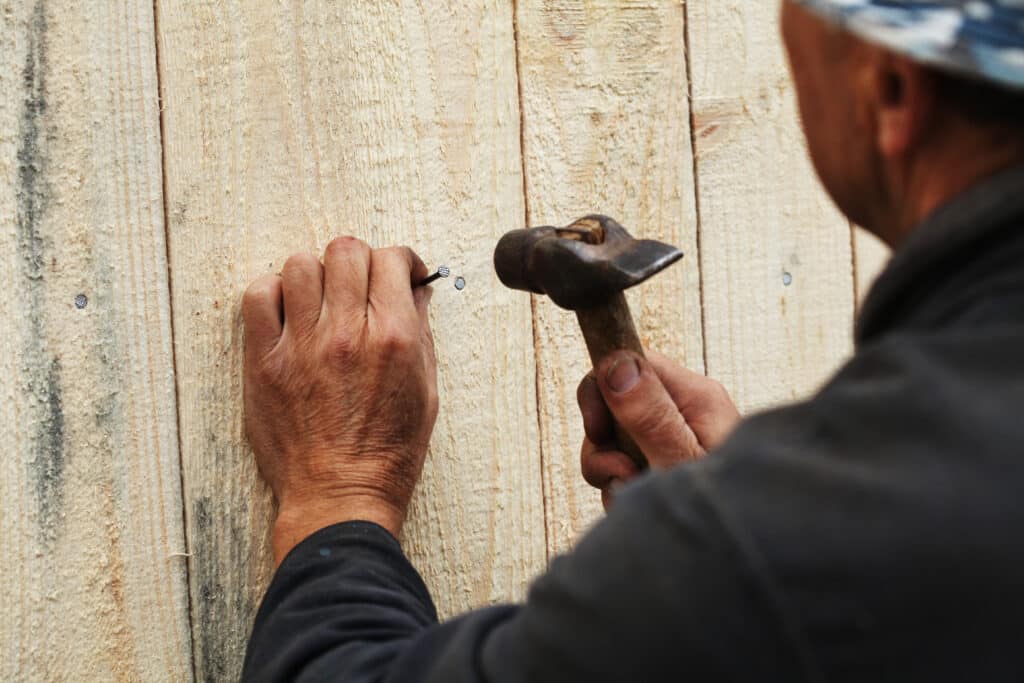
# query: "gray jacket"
{"points": [[873, 533]]}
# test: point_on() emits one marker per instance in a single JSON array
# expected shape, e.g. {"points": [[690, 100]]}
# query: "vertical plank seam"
{"points": [[174, 339], [544, 484], [696, 183]]}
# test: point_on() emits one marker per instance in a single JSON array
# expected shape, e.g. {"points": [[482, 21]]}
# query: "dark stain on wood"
{"points": [[216, 527], [33, 194], [207, 592], [227, 569], [39, 365]]}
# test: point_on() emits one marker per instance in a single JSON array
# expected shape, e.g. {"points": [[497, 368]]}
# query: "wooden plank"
{"points": [[605, 130], [90, 490], [777, 275], [870, 258], [287, 124]]}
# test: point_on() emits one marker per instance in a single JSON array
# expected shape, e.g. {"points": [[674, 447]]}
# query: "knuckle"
{"points": [[269, 369], [407, 255], [341, 245], [258, 293], [396, 252], [393, 256], [334, 247], [301, 263], [716, 393], [656, 419], [395, 339], [343, 345]]}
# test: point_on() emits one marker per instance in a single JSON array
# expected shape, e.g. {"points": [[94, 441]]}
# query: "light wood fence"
{"points": [[155, 159]]}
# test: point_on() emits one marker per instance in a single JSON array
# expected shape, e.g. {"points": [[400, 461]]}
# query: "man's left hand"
{"points": [[340, 386]]}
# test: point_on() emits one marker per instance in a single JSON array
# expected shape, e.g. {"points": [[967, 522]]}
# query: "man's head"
{"points": [[907, 103]]}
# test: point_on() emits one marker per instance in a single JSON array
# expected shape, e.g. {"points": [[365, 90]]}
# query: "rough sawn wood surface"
{"points": [[157, 157], [93, 577]]}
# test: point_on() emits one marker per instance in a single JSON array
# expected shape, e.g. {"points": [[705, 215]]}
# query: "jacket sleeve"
{"points": [[656, 591]]}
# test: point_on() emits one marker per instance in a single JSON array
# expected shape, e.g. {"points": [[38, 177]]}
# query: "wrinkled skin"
{"points": [[886, 145], [340, 386], [674, 414], [887, 152]]}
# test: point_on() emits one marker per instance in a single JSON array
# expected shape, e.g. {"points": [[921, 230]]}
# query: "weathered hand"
{"points": [[340, 386], [672, 413]]}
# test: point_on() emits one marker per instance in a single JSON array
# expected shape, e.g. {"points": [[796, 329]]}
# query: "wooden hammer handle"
{"points": [[607, 328]]}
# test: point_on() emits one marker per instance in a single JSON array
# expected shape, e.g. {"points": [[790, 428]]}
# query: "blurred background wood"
{"points": [[870, 257], [440, 125], [777, 264]]}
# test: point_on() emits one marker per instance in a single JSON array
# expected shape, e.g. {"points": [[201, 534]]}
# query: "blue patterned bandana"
{"points": [[978, 38]]}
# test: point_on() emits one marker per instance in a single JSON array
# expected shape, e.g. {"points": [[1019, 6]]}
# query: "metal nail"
{"points": [[442, 271]]}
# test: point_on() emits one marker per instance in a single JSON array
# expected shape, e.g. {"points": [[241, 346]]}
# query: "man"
{"points": [[872, 533]]}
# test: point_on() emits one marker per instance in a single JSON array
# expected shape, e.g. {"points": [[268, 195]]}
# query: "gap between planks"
{"points": [[186, 555], [544, 483], [685, 8]]}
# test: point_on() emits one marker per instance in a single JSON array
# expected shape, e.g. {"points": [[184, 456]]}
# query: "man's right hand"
{"points": [[672, 413]]}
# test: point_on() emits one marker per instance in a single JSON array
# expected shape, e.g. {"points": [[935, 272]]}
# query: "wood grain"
{"points": [[90, 492], [777, 273], [439, 124], [605, 130], [870, 256], [287, 124]]}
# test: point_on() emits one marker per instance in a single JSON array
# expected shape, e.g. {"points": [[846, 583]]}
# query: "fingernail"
{"points": [[623, 375]]}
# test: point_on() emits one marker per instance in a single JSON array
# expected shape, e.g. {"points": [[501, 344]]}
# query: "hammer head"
{"points": [[581, 265]]}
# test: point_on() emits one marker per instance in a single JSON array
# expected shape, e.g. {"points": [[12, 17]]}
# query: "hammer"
{"points": [[585, 267]]}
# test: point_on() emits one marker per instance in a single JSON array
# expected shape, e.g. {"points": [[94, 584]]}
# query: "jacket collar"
{"points": [[984, 219]]}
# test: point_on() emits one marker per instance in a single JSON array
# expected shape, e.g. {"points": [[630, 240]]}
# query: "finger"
{"points": [[642, 406], [346, 279], [263, 314], [302, 285], [597, 420], [422, 297], [704, 402], [392, 271], [600, 467]]}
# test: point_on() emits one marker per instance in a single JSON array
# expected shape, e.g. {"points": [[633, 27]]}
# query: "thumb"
{"points": [[643, 407]]}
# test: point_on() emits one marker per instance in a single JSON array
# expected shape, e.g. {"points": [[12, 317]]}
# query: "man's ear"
{"points": [[904, 96]]}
